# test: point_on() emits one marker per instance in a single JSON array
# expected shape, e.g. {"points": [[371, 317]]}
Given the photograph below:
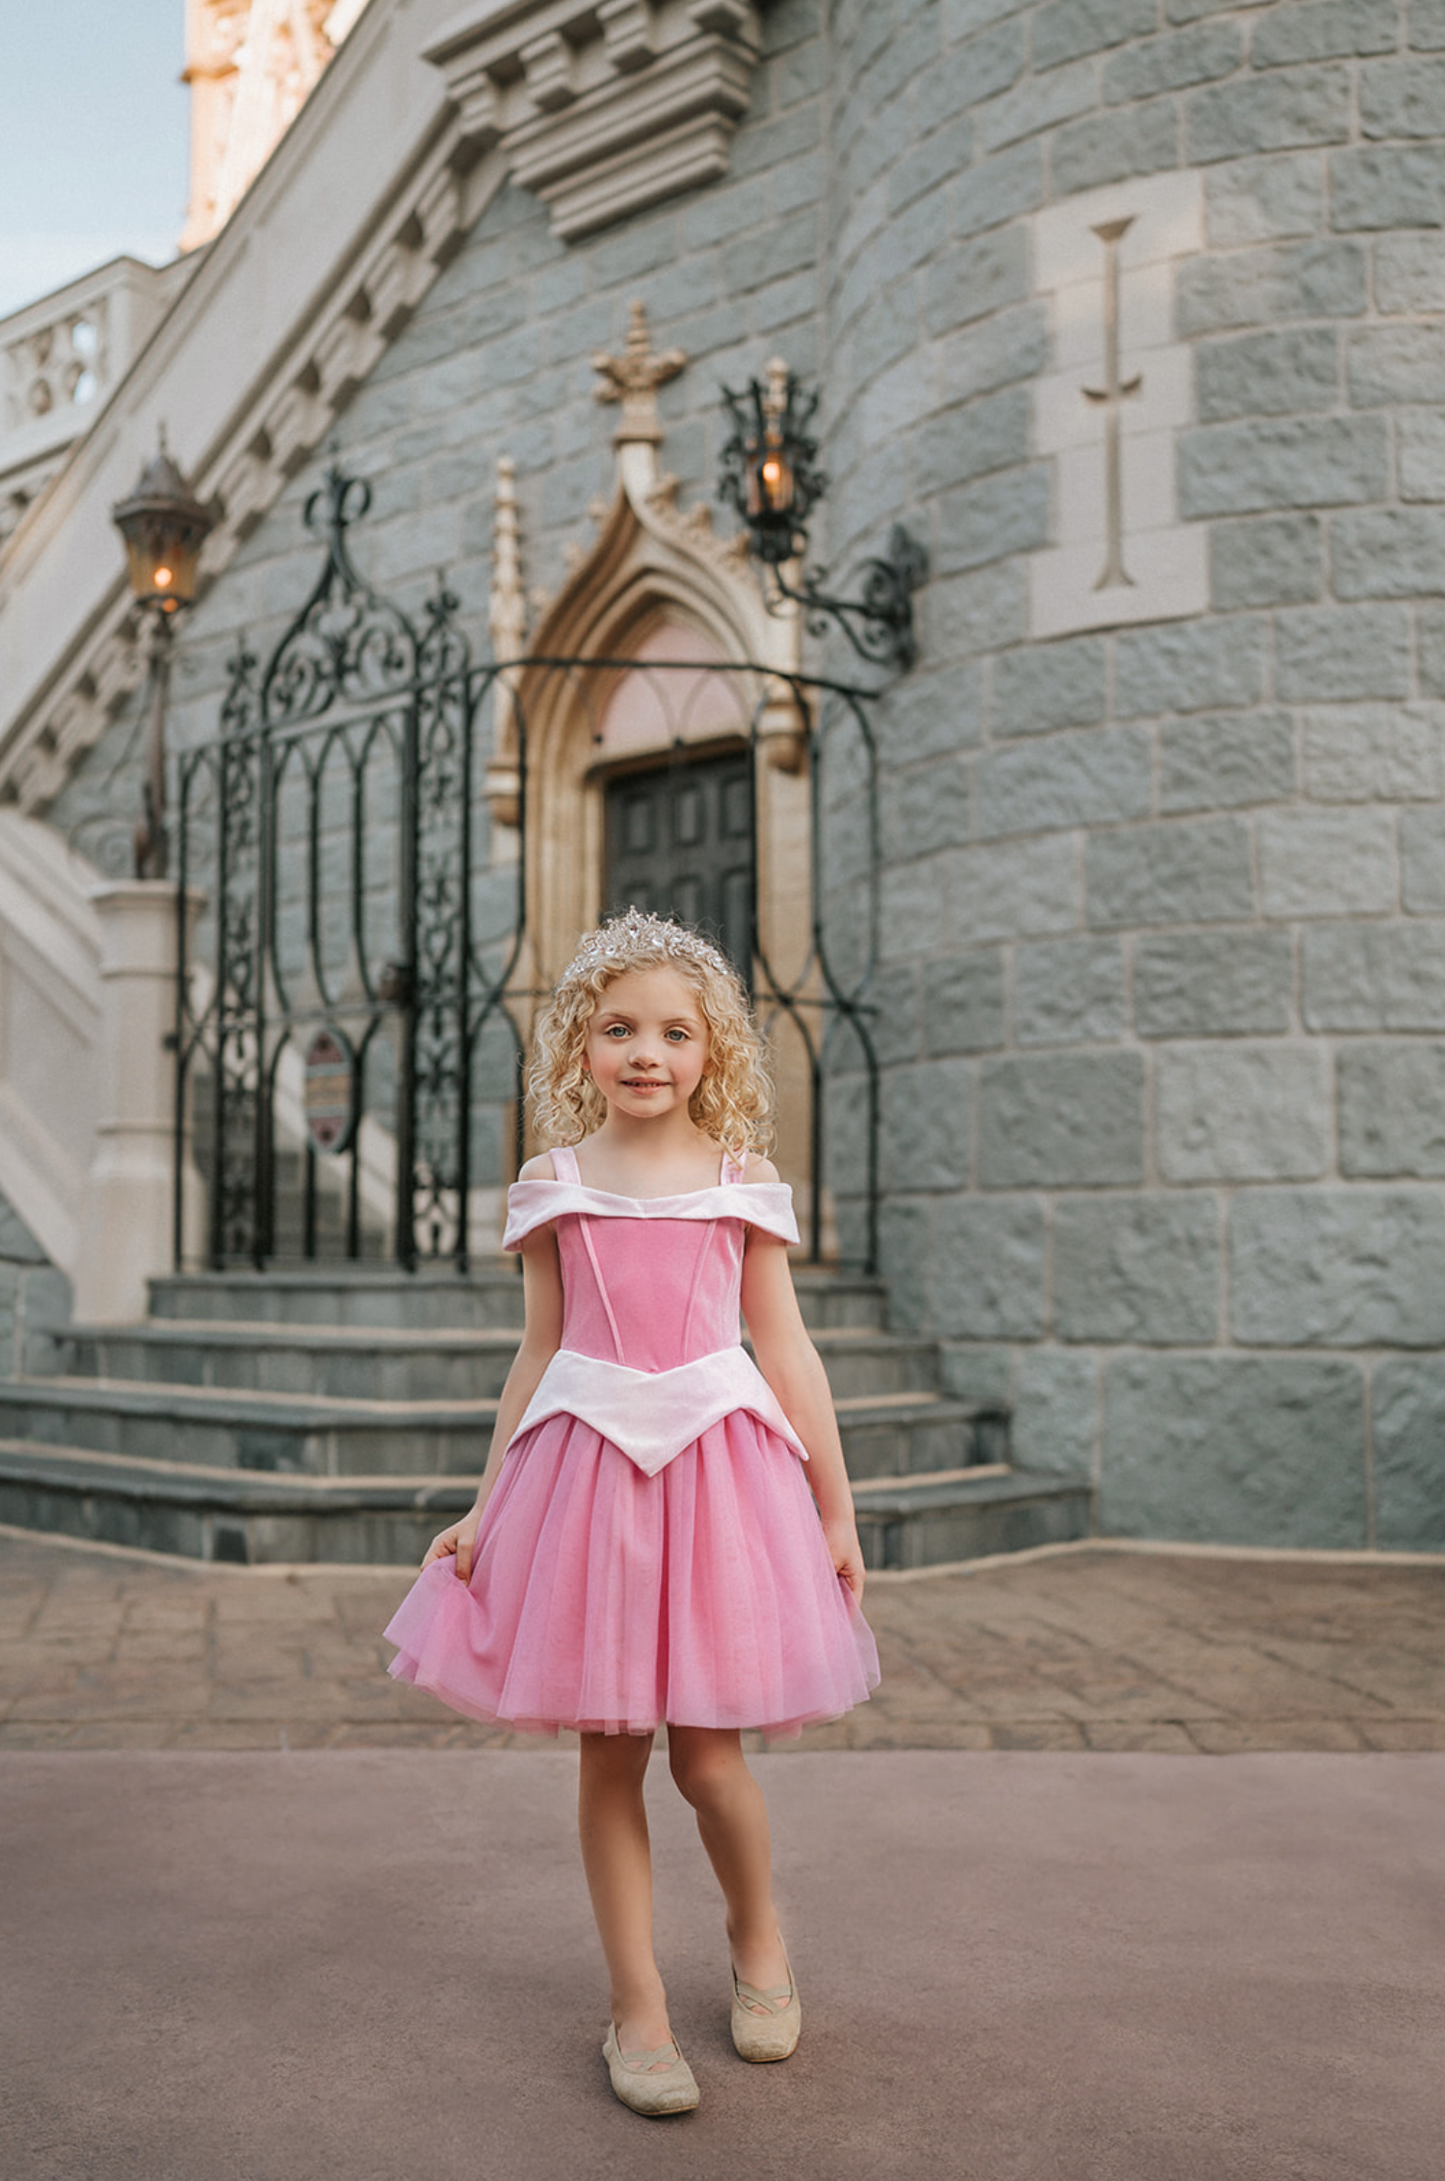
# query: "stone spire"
{"points": [[633, 379]]}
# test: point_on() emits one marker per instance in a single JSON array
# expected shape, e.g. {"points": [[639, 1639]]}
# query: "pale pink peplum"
{"points": [[650, 1550]]}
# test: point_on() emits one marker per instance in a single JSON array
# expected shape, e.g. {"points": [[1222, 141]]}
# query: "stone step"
{"points": [[963, 1514], [489, 1296], [386, 1363], [237, 1515], [321, 1436]]}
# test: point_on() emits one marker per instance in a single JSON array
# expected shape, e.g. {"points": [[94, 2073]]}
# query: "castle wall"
{"points": [[1162, 1003]]}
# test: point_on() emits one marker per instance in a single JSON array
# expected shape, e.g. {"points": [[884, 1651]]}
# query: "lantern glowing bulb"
{"points": [[163, 578]]}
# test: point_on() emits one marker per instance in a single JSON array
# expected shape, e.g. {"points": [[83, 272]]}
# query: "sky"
{"points": [[94, 124]]}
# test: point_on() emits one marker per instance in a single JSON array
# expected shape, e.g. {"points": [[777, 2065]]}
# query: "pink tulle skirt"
{"points": [[609, 1601]]}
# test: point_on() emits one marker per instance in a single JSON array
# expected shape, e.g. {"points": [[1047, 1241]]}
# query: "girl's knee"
{"points": [[705, 1765]]}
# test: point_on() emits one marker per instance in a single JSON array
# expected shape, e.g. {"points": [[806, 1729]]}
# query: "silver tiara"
{"points": [[639, 929]]}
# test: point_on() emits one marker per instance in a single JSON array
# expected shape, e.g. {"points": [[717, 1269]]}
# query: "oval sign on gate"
{"points": [[330, 1091]]}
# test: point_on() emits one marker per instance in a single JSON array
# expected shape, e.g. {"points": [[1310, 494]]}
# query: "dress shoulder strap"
{"points": [[564, 1163], [732, 1169]]}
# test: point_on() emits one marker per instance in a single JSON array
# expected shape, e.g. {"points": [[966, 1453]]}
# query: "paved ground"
{"points": [[246, 1940], [1082, 1648], [378, 1964]]}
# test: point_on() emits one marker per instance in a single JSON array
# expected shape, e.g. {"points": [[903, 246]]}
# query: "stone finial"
{"points": [[507, 612], [633, 379]]}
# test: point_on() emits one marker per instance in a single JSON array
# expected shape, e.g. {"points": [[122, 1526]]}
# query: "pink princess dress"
{"points": [[650, 1550]]}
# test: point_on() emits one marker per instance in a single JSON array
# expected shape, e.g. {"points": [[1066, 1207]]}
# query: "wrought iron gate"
{"points": [[354, 991]]}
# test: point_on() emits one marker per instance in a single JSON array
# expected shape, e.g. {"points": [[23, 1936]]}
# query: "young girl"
{"points": [[643, 1546]]}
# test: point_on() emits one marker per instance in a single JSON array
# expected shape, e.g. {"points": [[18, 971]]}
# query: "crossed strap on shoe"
{"points": [[766, 2023], [639, 2082]]}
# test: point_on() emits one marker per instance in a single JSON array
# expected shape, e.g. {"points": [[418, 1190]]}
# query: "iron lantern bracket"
{"points": [[879, 624]]}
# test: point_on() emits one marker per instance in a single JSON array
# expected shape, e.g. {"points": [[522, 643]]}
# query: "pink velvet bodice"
{"points": [[651, 1293]]}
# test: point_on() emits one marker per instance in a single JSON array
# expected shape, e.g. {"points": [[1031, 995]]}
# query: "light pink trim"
{"points": [[651, 1416], [765, 1204]]}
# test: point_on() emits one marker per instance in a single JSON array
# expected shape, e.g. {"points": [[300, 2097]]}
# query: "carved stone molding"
{"points": [[602, 110]]}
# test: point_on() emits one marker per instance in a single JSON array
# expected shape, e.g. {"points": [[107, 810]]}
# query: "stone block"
{"points": [[974, 613], [1392, 1108], [1013, 890], [1069, 992], [1038, 103], [976, 280], [963, 1003], [1173, 63], [927, 1126], [1265, 560], [937, 159], [1234, 1450], [976, 71], [1317, 279], [1066, 780], [1328, 863], [1062, 1120], [989, 1269], [926, 809], [905, 1254], [928, 715], [1374, 977], [1050, 685], [1187, 666], [1322, 30], [1213, 984], [18, 1245], [1427, 25], [1139, 1270], [969, 1371], [980, 523], [1190, 872], [911, 898], [1422, 862], [999, 189], [1420, 455], [1055, 1422], [1226, 761], [983, 436], [1341, 1268], [1113, 146], [1402, 98], [1410, 273], [997, 352], [1241, 1113], [1430, 625], [1386, 365], [1359, 753], [1264, 200], [1064, 29], [1407, 1417], [1243, 469], [1282, 111], [1387, 186], [961, 18], [1333, 654], [1268, 374], [787, 246]]}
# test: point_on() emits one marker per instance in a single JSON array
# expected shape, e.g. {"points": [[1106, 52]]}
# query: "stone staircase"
{"points": [[342, 1412]]}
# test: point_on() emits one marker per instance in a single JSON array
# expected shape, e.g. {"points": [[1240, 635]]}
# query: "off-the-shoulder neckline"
{"points": [[616, 1196]]}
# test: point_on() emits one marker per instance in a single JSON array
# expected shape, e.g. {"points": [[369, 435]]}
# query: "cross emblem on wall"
{"points": [[1114, 392]]}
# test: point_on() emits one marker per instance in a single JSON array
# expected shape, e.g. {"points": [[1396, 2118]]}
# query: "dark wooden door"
{"points": [[680, 842]]}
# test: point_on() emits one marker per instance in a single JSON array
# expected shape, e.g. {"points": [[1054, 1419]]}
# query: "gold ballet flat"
{"points": [[644, 2086], [769, 2036]]}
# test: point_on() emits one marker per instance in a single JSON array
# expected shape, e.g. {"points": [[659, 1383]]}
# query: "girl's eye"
{"points": [[680, 1036], [616, 1029]]}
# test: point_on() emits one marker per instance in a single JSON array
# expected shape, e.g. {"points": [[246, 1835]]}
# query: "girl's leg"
{"points": [[732, 1818], [617, 1857]]}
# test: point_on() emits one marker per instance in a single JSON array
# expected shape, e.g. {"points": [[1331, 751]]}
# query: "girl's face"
{"points": [[647, 1043]]}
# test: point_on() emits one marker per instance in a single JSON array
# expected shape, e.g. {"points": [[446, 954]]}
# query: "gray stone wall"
{"points": [[1162, 1004], [1177, 913], [34, 1296]]}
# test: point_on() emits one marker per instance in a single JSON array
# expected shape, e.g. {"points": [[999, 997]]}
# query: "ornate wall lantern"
{"points": [[164, 527], [771, 479]]}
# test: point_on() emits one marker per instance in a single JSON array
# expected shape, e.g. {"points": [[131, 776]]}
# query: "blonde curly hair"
{"points": [[733, 1104]]}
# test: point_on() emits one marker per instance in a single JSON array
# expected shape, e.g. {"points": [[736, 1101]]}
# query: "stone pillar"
{"points": [[126, 1220]]}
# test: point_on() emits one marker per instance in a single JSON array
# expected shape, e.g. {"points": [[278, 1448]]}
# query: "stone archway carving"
{"points": [[656, 592]]}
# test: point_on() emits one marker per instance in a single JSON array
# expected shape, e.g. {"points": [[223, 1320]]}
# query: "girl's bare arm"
{"points": [[542, 1289], [793, 1368]]}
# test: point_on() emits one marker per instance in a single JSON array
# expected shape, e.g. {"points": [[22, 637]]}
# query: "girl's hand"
{"points": [[459, 1539], [847, 1554]]}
